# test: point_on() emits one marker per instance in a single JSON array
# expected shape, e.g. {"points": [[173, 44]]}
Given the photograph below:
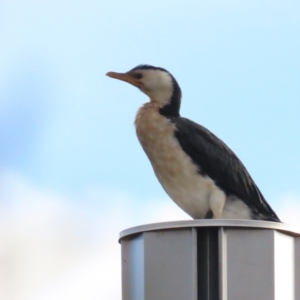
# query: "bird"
{"points": [[198, 171]]}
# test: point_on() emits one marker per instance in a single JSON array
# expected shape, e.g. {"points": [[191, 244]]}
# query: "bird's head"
{"points": [[157, 83]]}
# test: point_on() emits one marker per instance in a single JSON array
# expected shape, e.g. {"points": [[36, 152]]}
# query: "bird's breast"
{"points": [[174, 169]]}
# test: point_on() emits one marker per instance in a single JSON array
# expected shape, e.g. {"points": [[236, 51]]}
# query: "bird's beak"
{"points": [[125, 77]]}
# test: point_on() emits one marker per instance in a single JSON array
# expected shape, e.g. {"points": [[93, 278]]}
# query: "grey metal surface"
{"points": [[133, 268], [211, 223], [160, 265], [222, 259], [211, 260], [297, 268], [170, 269], [250, 265]]}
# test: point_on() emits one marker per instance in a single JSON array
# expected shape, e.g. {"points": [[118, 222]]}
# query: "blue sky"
{"points": [[67, 130]]}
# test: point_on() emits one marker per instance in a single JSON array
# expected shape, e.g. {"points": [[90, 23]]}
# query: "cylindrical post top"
{"points": [[289, 229], [211, 260]]}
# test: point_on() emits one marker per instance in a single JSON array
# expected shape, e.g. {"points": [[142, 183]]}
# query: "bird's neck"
{"points": [[172, 107]]}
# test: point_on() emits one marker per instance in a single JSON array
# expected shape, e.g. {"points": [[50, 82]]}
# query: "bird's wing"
{"points": [[217, 161]]}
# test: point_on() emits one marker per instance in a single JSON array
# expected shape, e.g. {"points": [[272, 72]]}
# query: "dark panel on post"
{"points": [[208, 265]]}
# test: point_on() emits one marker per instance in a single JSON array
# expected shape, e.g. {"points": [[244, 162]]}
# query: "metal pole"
{"points": [[211, 260]]}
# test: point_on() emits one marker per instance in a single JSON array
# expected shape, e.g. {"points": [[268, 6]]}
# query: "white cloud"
{"points": [[53, 247]]}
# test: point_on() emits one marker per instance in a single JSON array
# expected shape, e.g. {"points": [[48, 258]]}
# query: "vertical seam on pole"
{"points": [[223, 263], [195, 259]]}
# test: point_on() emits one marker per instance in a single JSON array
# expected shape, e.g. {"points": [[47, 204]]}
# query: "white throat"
{"points": [[158, 86]]}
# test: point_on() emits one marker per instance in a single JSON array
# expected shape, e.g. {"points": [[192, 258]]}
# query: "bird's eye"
{"points": [[137, 75]]}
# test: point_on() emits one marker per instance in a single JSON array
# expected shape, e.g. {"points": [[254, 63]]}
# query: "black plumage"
{"points": [[214, 159]]}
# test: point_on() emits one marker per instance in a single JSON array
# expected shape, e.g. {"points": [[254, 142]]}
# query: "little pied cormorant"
{"points": [[197, 170]]}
